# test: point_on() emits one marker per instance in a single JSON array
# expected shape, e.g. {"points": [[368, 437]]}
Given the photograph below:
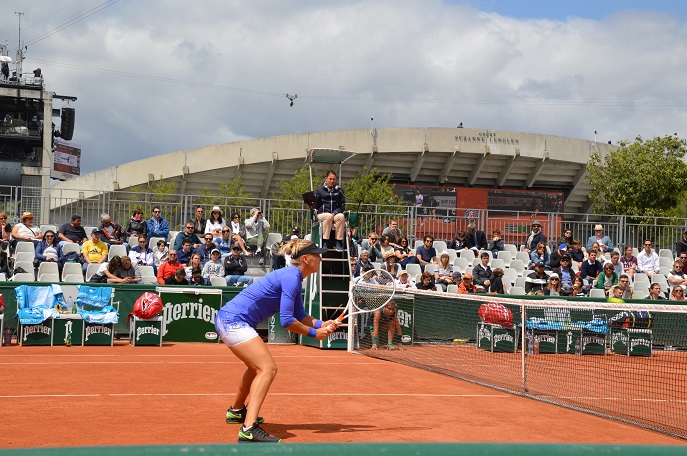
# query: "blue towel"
{"points": [[94, 303], [37, 304]]}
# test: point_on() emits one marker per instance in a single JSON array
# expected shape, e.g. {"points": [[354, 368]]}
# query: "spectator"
{"points": [[565, 272], [624, 285], [363, 264], [177, 277], [647, 260], [466, 285], [161, 253], [390, 265], [616, 293], [94, 251], [330, 203], [426, 254], [403, 281], [156, 225], [537, 280], [655, 292], [238, 232], [206, 249], [224, 243], [215, 221], [540, 255], [678, 294], [497, 284], [371, 246], [5, 231], [193, 263], [600, 256], [49, 251], [385, 245], [475, 239], [197, 277], [482, 275], [184, 255], [578, 287], [566, 239], [459, 242], [125, 273], [235, 267], [615, 261], [136, 226], [680, 246], [629, 262], [605, 243], [426, 282], [393, 232], [142, 255], [404, 254], [591, 269], [443, 272], [683, 259], [607, 278], [496, 244], [189, 234], [553, 288], [4, 263], [257, 229], [169, 268], [576, 253], [25, 231], [676, 277], [199, 222], [113, 234], [555, 257], [214, 267], [535, 237]]}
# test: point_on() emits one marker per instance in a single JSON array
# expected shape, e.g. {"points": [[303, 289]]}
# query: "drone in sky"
{"points": [[291, 98]]}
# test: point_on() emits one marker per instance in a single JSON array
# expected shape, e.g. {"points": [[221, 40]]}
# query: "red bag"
{"points": [[149, 305], [495, 313]]}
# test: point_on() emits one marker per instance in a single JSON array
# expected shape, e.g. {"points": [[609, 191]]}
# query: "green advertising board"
{"points": [[40, 334], [189, 313], [68, 323]]}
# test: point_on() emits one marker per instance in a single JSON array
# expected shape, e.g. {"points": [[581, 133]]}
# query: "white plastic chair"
{"points": [[146, 271], [430, 268], [49, 278], [518, 266], [452, 254], [520, 282], [24, 256], [524, 257], [440, 246], [25, 265], [519, 291], [23, 277], [453, 288], [76, 278], [512, 248], [116, 250], [597, 293], [48, 268], [71, 247], [510, 274], [505, 256], [498, 263], [666, 253], [25, 247], [72, 268], [152, 242], [461, 264], [218, 282], [91, 269], [413, 269]]}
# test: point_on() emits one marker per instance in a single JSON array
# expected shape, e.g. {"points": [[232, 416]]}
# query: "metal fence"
{"points": [[284, 215]]}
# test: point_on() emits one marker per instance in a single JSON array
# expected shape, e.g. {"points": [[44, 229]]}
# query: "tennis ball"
{"points": [[616, 300]]}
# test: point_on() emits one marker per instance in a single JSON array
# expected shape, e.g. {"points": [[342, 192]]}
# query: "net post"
{"points": [[523, 340]]}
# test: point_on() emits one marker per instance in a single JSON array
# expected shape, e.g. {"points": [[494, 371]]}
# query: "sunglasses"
{"points": [[225, 231], [156, 212]]}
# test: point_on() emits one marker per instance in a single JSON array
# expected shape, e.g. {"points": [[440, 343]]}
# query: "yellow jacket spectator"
{"points": [[94, 250]]}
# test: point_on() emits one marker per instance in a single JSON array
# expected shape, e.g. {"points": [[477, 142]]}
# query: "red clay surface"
{"points": [[179, 393]]}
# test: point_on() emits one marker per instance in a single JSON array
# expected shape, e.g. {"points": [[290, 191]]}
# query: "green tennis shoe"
{"points": [[256, 434], [239, 416]]}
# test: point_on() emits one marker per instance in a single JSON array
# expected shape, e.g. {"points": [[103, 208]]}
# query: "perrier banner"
{"points": [[189, 313]]}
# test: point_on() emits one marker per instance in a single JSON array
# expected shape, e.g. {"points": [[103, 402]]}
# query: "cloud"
{"points": [[159, 76]]}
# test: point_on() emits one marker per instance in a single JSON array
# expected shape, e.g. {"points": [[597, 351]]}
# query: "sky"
{"points": [[160, 76]]}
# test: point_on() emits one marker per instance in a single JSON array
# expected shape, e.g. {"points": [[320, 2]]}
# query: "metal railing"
{"points": [[284, 215]]}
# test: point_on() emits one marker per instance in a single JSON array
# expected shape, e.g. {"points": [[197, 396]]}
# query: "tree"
{"points": [[146, 196], [285, 215], [644, 178], [369, 187]]}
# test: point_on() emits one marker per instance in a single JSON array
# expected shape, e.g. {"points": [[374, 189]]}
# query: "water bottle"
{"points": [[578, 347], [73, 305], [530, 346], [7, 336], [536, 345], [68, 339]]}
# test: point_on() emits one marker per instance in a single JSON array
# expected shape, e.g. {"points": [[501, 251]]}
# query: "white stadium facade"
{"points": [[454, 157]]}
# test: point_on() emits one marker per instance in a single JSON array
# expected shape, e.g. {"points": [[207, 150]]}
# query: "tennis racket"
{"points": [[373, 290]]}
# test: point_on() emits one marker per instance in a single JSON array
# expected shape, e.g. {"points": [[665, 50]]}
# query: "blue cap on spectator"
{"points": [[96, 230], [563, 247]]}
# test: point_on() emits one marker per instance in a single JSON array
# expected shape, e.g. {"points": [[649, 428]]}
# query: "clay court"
{"points": [[178, 394]]}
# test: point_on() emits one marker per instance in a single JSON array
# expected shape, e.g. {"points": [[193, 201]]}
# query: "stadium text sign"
{"points": [[189, 314]]}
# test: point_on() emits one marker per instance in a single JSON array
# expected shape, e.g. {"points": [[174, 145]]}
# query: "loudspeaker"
{"points": [[67, 128]]}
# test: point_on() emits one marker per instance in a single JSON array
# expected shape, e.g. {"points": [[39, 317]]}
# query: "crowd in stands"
{"points": [[597, 270], [141, 252]]}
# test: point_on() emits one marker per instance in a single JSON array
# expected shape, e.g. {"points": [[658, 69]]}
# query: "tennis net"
{"points": [[624, 361]]}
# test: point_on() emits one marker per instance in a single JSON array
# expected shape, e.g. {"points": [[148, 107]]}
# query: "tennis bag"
{"points": [[149, 305], [497, 314], [632, 319]]}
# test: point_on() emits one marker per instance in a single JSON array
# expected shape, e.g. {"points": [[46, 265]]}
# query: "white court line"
{"points": [[65, 363], [31, 396]]}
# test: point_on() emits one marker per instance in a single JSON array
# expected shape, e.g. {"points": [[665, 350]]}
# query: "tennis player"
{"points": [[278, 291]]}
